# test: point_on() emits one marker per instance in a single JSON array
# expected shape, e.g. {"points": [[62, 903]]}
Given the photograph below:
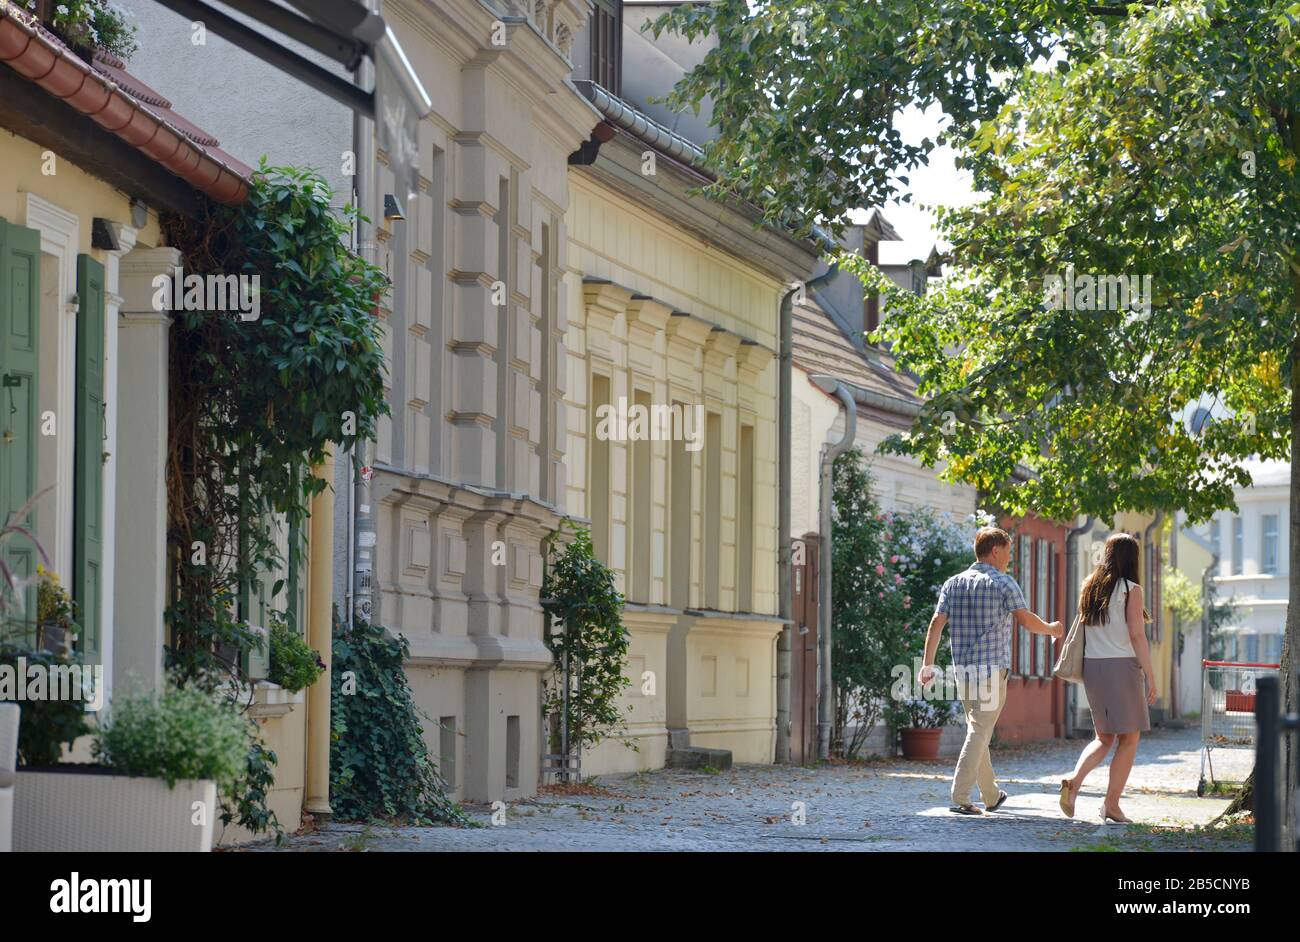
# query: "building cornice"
{"points": [[528, 60], [724, 225]]}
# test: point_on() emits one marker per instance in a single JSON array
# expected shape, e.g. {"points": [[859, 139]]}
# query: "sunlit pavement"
{"points": [[875, 805]]}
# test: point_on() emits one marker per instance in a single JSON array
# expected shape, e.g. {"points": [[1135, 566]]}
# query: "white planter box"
{"points": [[96, 810]]}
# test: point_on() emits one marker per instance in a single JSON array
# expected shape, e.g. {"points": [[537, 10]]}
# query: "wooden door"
{"points": [[803, 665]]}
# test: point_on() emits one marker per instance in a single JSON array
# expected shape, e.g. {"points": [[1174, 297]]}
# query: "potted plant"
{"points": [[162, 760], [920, 725], [295, 665], [56, 625], [90, 25]]}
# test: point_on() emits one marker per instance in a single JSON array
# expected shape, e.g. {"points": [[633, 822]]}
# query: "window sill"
{"points": [[273, 700], [263, 699]]}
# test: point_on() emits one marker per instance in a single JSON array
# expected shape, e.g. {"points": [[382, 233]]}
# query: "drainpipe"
{"points": [[785, 606], [361, 527], [1071, 606], [1153, 575], [320, 585], [1174, 655], [832, 387]]}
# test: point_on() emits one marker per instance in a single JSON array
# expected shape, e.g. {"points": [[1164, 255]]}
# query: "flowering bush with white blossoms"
{"points": [[98, 24]]}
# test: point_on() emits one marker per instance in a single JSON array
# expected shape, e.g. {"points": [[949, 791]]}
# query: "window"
{"points": [[1272, 648], [1041, 649], [606, 31], [1268, 545], [745, 523], [447, 751], [679, 519], [1238, 541], [1052, 603], [1024, 575], [713, 511], [638, 564], [598, 493], [1252, 648]]}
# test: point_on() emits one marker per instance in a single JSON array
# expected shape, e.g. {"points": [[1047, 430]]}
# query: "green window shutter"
{"points": [[20, 321], [296, 582], [88, 484], [252, 596]]}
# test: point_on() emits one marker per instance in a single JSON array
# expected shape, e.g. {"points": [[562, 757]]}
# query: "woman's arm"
{"points": [[1137, 634]]}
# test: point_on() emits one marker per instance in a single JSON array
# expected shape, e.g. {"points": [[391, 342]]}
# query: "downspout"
{"points": [[1175, 655], [830, 386], [1071, 605], [1153, 576], [361, 527], [785, 606]]}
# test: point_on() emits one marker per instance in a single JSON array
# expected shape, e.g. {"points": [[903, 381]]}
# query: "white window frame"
{"points": [[1267, 566]]}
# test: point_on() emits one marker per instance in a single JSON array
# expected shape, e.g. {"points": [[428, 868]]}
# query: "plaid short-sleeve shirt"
{"points": [[978, 602]]}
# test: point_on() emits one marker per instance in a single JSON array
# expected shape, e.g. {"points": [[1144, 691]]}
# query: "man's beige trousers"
{"points": [[973, 765]]}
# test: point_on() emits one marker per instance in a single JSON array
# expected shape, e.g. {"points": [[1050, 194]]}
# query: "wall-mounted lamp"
{"points": [[392, 208], [139, 213]]}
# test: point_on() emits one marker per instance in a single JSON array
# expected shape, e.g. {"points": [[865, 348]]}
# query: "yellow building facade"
{"points": [[667, 324]]}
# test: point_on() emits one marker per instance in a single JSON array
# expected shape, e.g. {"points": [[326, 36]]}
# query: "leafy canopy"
{"points": [[1111, 141]]}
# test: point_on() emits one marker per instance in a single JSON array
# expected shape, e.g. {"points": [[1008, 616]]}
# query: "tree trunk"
{"points": [[1287, 681]]}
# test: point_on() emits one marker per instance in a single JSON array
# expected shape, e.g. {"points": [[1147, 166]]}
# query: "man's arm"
{"points": [[932, 636], [1024, 616]]}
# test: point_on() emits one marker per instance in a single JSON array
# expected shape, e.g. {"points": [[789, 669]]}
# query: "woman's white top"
{"points": [[1111, 639]]}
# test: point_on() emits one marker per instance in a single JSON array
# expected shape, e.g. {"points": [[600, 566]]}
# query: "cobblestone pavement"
{"points": [[875, 805]]}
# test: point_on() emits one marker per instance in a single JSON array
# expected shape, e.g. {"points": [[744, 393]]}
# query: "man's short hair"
{"points": [[988, 539]]}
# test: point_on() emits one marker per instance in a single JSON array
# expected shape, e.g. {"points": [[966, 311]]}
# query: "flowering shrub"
{"points": [[886, 572], [98, 24], [180, 733]]}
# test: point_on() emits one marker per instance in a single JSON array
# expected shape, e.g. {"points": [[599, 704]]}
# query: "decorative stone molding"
{"points": [[645, 312], [564, 40], [721, 346], [754, 356], [688, 327], [605, 302]]}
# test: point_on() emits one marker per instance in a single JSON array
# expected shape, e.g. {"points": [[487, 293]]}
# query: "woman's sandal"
{"points": [[965, 809], [1068, 795]]}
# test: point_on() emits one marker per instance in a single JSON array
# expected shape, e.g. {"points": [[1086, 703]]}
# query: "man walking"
{"points": [[981, 603]]}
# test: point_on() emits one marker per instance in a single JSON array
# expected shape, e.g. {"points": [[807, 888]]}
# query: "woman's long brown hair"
{"points": [[1119, 562]]}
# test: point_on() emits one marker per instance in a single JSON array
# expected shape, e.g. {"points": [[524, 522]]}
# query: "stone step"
{"points": [[697, 757]]}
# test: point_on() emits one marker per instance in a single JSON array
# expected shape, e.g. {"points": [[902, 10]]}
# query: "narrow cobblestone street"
{"points": [[877, 805]]}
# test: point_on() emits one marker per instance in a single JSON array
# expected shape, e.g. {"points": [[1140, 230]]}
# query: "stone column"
{"points": [[320, 629], [140, 545]]}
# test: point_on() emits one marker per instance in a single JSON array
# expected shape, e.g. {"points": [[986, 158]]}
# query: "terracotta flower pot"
{"points": [[921, 742]]}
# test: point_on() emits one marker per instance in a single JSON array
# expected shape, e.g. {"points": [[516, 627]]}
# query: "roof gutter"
{"points": [[63, 75], [642, 126], [622, 114]]}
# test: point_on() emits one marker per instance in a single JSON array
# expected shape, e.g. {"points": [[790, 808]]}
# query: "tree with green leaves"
{"points": [[586, 635], [1137, 251]]}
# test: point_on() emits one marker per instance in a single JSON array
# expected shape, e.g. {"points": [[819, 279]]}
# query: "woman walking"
{"points": [[1116, 672]]}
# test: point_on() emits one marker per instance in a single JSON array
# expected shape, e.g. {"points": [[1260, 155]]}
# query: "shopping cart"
{"points": [[1227, 709]]}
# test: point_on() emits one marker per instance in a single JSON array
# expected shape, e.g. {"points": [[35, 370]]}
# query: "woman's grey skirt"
{"points": [[1117, 694]]}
